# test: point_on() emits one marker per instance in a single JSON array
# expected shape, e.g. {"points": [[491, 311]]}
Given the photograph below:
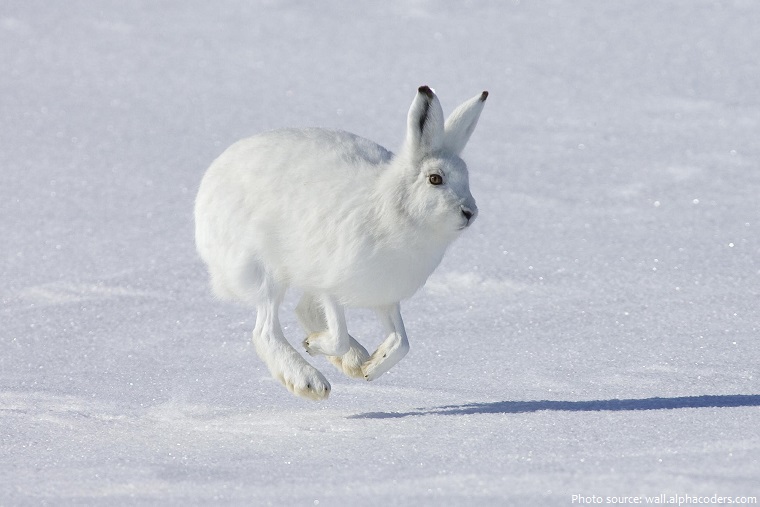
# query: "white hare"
{"points": [[344, 220]]}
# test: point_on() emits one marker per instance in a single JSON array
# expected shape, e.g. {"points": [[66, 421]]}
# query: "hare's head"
{"points": [[436, 187]]}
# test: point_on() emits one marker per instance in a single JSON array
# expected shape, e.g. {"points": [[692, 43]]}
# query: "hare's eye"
{"points": [[435, 179]]}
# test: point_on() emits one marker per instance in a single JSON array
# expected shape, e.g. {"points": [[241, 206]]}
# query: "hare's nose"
{"points": [[467, 212]]}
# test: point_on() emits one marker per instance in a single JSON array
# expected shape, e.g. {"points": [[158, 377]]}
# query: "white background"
{"points": [[594, 332]]}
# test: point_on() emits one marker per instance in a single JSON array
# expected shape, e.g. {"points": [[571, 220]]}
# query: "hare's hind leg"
{"points": [[285, 364], [393, 349], [312, 317]]}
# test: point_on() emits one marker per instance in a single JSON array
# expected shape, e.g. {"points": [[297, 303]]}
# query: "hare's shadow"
{"points": [[612, 405]]}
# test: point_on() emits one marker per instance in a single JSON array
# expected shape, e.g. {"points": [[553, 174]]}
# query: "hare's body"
{"points": [[344, 220], [280, 203]]}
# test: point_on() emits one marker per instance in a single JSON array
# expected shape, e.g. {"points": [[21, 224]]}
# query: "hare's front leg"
{"points": [[393, 349], [311, 316], [285, 364]]}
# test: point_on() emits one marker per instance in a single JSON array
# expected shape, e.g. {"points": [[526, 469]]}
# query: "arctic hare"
{"points": [[342, 219]]}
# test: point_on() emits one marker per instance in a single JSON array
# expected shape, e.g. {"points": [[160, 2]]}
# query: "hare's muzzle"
{"points": [[469, 215]]}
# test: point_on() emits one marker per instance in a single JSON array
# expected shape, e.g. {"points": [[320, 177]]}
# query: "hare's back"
{"points": [[298, 168], [347, 147], [306, 154]]}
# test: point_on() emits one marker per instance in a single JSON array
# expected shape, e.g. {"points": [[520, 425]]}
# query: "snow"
{"points": [[594, 333]]}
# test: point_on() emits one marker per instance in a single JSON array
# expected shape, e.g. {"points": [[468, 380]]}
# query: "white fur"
{"points": [[344, 220]]}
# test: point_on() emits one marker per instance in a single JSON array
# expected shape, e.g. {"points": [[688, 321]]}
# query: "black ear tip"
{"points": [[427, 91], [483, 96]]}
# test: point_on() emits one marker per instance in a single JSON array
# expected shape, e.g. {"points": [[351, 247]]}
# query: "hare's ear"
{"points": [[461, 123], [424, 130]]}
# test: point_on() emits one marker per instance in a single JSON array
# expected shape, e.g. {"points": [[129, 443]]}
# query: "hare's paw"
{"points": [[351, 362], [305, 381], [390, 352], [326, 344]]}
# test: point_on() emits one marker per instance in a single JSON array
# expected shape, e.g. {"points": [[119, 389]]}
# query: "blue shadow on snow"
{"points": [[615, 405]]}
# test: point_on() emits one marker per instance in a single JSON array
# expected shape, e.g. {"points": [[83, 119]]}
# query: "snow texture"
{"points": [[595, 332]]}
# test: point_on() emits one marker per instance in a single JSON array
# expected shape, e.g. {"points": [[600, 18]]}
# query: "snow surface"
{"points": [[594, 333]]}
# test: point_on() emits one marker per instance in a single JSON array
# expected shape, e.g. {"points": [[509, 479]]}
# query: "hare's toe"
{"points": [[315, 390], [386, 356], [351, 362], [310, 384], [310, 344], [324, 343], [370, 369]]}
